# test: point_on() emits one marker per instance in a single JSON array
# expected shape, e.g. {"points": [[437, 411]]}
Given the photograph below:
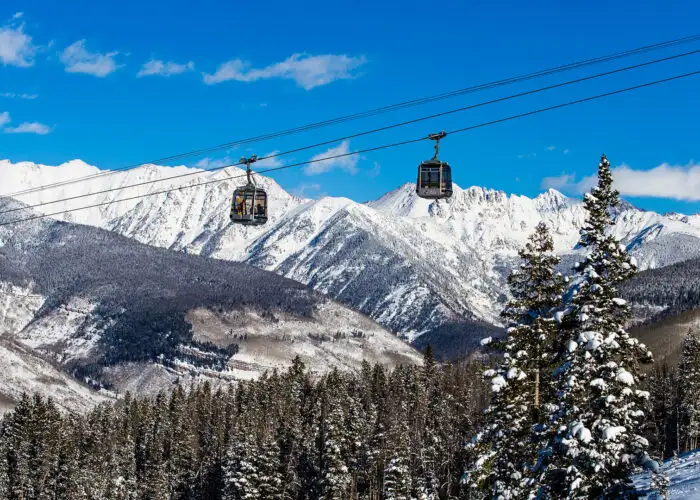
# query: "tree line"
{"points": [[373, 434]]}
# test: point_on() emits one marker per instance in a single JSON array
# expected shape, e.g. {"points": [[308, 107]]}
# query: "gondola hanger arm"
{"points": [[436, 137]]}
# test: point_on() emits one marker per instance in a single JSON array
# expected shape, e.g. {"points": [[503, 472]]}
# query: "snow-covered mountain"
{"points": [[417, 267], [108, 309]]}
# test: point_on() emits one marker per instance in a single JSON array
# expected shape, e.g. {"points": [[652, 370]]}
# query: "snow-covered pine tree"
{"points": [[240, 470], [689, 372], [432, 411], [521, 382], [660, 483], [332, 440], [595, 440], [181, 454], [397, 473], [267, 463]]}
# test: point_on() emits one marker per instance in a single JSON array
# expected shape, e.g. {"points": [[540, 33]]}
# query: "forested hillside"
{"points": [[397, 434], [672, 289]]}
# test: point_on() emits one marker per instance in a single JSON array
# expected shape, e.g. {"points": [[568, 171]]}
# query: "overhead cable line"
{"points": [[360, 134], [376, 111], [367, 150]]}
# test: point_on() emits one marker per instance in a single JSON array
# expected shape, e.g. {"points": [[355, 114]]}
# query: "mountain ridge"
{"points": [[416, 266]]}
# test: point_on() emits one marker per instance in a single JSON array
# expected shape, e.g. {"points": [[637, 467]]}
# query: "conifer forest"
{"points": [[566, 404]]}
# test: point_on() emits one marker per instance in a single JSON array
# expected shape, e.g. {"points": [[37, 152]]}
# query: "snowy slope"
{"points": [[684, 476], [95, 302], [414, 266], [22, 370]]}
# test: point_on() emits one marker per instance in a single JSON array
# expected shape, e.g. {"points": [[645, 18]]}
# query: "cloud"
{"points": [[550, 148], [347, 163], [306, 70], [78, 59], [375, 171], [16, 47], [29, 128], [207, 163], [269, 162], [563, 182], [302, 190], [161, 68], [13, 95], [665, 181], [566, 151], [527, 155], [17, 15], [4, 118]]}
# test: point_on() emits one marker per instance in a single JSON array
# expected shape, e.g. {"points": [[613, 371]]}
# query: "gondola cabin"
{"points": [[434, 176], [249, 205], [434, 180]]}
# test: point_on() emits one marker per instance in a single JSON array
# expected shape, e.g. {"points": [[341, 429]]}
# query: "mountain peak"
{"points": [[552, 199]]}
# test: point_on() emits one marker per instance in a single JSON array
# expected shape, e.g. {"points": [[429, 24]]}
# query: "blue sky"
{"points": [[85, 79]]}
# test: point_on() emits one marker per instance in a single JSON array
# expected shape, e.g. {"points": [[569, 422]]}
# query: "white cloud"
{"points": [[563, 182], [16, 47], [17, 15], [162, 68], [665, 181], [566, 151], [527, 155], [347, 163], [302, 190], [269, 162], [306, 70], [29, 128], [78, 59], [375, 171], [14, 95], [550, 148], [4, 118], [207, 163]]}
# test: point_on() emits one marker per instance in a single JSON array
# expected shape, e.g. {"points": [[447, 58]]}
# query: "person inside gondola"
{"points": [[259, 210]]}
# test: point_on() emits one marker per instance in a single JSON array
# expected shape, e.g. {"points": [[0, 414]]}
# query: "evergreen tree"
{"points": [[181, 453], [660, 483], [430, 425], [397, 473], [520, 382], [267, 464], [594, 425], [17, 434], [241, 474], [662, 396], [689, 371], [335, 476]]}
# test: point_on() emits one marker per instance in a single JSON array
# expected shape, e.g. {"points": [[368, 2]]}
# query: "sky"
{"points": [[116, 84]]}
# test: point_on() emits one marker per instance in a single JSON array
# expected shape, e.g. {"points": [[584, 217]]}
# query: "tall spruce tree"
{"points": [[595, 440], [689, 371], [521, 382], [332, 441]]}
